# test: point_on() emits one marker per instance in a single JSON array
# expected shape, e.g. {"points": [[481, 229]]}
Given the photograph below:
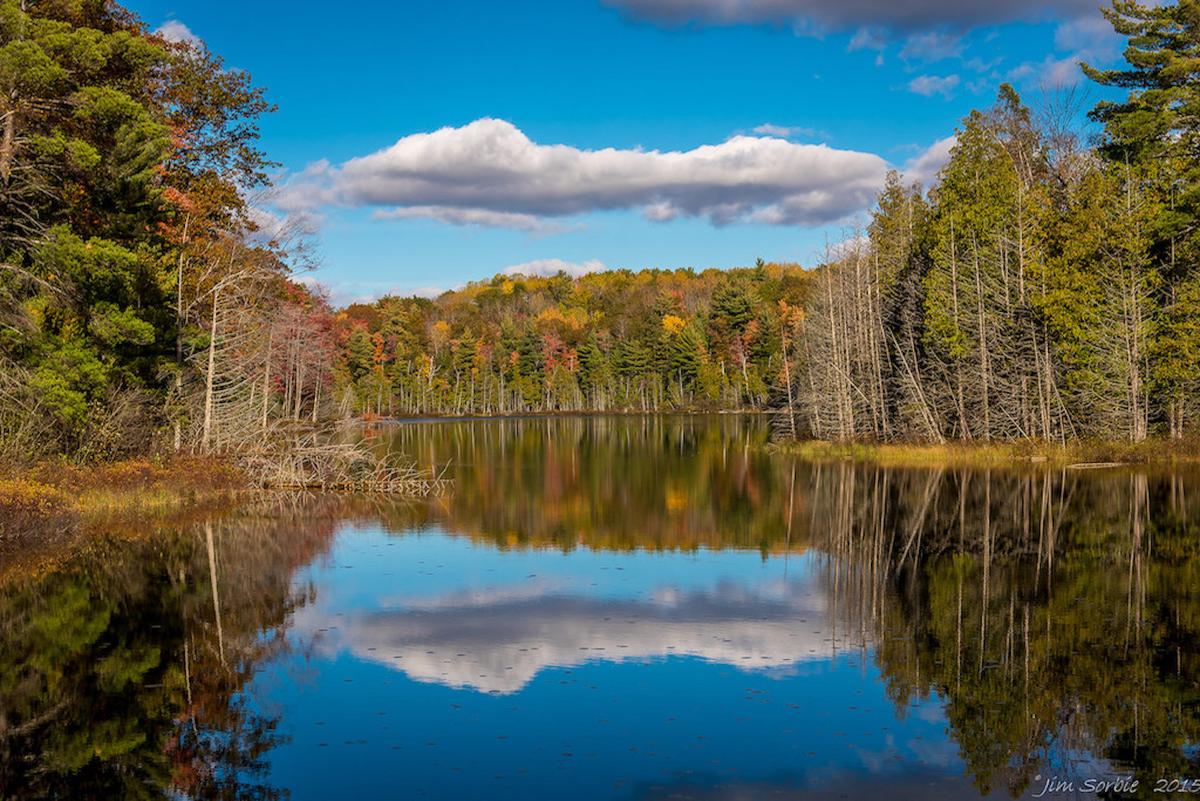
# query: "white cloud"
{"points": [[931, 46], [344, 293], [176, 32], [490, 172], [429, 292], [501, 638], [767, 129], [1091, 34], [868, 38], [787, 131], [980, 65], [660, 212], [1088, 38], [1060, 72], [481, 217], [820, 15], [924, 167], [269, 224], [930, 85], [548, 267]]}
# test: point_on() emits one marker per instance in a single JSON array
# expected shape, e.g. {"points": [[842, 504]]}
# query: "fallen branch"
{"points": [[313, 461]]}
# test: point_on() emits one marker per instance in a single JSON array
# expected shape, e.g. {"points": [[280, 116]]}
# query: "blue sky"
{"points": [[618, 133]]}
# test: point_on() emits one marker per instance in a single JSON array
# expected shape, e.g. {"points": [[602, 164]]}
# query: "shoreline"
{"points": [[1077, 455], [67, 497], [457, 418], [60, 496], [1082, 454]]}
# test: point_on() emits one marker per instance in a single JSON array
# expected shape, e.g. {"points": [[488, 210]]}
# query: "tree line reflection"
{"points": [[1055, 614], [121, 672]]}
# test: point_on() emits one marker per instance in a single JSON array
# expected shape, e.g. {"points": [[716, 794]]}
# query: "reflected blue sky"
{"points": [[430, 667]]}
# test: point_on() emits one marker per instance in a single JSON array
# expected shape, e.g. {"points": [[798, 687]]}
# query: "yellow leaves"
{"points": [[673, 324], [574, 318], [440, 334], [507, 287], [31, 498]]}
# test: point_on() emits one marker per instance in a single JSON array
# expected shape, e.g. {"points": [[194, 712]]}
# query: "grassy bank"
{"points": [[55, 497], [1079, 454]]}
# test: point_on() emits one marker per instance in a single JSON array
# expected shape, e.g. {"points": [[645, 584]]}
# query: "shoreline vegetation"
{"points": [[59, 498], [1075, 455], [55, 495], [52, 509]]}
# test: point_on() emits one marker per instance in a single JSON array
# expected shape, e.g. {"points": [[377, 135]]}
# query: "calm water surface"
{"points": [[622, 608]]}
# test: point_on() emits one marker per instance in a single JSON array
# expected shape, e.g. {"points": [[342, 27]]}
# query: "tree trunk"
{"points": [[8, 139], [211, 373]]}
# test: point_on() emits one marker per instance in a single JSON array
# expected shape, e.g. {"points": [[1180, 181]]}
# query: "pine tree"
{"points": [[1155, 132]]}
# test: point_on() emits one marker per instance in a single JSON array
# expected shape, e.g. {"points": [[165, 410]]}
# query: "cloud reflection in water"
{"points": [[497, 640]]}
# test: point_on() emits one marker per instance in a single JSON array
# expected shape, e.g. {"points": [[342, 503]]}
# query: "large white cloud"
{"points": [[500, 639], [905, 15], [489, 172]]}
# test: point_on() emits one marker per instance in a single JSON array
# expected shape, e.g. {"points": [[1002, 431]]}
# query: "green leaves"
{"points": [[27, 71], [117, 150], [93, 269], [113, 326], [1159, 121], [69, 377]]}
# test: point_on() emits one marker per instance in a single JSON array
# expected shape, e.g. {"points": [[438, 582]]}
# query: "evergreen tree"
{"points": [[1155, 132]]}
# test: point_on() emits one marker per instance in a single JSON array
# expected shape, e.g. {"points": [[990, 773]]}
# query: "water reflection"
{"points": [[1055, 614], [121, 672], [618, 483], [623, 608], [499, 641]]}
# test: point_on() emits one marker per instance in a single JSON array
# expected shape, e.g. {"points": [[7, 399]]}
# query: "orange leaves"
{"points": [[439, 334], [380, 353], [790, 315]]}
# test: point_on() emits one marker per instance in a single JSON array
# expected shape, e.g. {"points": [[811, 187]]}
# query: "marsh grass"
{"points": [[51, 499], [1077, 454]]}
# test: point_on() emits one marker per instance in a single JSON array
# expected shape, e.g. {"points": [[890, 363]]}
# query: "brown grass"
{"points": [[52, 497], [1080, 453], [179, 474]]}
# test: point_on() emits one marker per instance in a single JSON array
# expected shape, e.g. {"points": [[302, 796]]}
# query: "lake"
{"points": [[622, 608]]}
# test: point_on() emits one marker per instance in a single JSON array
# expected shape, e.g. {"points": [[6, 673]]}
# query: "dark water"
{"points": [[623, 608]]}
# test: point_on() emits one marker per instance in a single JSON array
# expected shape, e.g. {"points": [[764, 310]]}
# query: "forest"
{"points": [[652, 340], [141, 288], [1044, 288]]}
